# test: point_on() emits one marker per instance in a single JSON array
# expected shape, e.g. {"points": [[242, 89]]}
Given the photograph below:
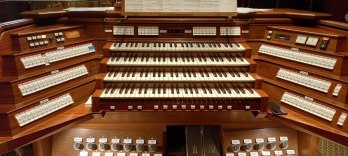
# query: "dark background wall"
{"points": [[338, 8]]}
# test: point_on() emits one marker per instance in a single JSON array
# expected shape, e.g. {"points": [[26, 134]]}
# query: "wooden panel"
{"points": [[269, 70], [15, 95], [307, 144], [79, 94], [43, 147], [294, 31], [15, 66], [338, 69], [276, 93]]}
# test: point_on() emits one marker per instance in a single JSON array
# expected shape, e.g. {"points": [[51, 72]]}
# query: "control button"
{"points": [[34, 37], [271, 145], [130, 107], [259, 144], [78, 146], [211, 107], [46, 42], [155, 107], [43, 36], [229, 107], [192, 107], [60, 33], [235, 146], [175, 107], [38, 37], [201, 107], [139, 107], [270, 32], [283, 145], [183, 107], [247, 145], [29, 38], [247, 107], [165, 107], [115, 146], [31, 45], [58, 40], [152, 147], [283, 142], [324, 43], [220, 107], [37, 43], [127, 145], [62, 39], [41, 43], [56, 34], [91, 146], [269, 37], [139, 146], [104, 146]]}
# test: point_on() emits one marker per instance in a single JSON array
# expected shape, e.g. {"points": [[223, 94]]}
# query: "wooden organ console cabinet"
{"points": [[96, 83]]}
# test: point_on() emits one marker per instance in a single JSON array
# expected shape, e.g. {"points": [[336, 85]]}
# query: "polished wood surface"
{"points": [[64, 120], [269, 71]]}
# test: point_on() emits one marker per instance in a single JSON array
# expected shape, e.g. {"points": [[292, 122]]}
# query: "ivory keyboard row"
{"points": [[46, 108], [177, 61], [178, 92], [177, 46], [304, 80], [56, 55], [297, 56], [178, 76], [53, 79]]}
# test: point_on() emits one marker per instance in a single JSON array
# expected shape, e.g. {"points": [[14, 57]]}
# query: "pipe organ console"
{"points": [[97, 83]]}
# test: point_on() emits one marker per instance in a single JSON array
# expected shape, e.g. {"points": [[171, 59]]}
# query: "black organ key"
{"points": [[204, 90], [250, 90], [107, 90], [217, 90], [238, 75], [140, 90], [236, 90], [242, 90]]}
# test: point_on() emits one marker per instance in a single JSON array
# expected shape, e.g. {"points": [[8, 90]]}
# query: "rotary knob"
{"points": [[104, 146], [152, 147], [283, 145], [127, 147], [78, 146], [91, 146], [115, 146], [139, 147], [235, 147], [271, 145], [246, 147], [259, 146]]}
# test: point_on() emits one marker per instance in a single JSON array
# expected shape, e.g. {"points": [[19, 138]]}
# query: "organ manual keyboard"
{"points": [[187, 75]]}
